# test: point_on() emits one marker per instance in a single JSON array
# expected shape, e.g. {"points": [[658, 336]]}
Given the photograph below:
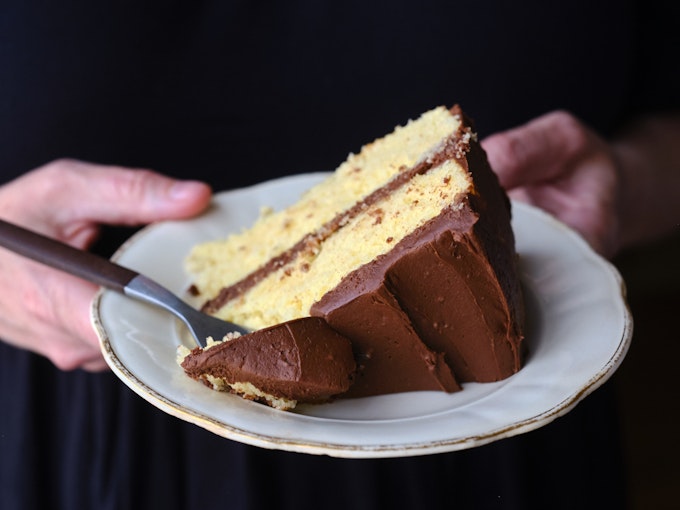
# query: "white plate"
{"points": [[578, 333]]}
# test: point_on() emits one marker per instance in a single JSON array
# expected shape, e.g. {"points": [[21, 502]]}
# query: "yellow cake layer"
{"points": [[220, 263], [289, 292]]}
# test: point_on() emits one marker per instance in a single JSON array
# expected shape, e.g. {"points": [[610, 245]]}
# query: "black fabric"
{"points": [[236, 92]]}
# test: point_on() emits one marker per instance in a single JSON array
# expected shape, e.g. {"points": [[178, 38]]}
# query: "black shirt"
{"points": [[236, 92]]}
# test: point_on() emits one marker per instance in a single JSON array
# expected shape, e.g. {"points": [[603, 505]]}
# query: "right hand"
{"points": [[47, 311], [557, 163]]}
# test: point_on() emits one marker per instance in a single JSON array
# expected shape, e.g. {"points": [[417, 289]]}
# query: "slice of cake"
{"points": [[406, 249], [300, 361]]}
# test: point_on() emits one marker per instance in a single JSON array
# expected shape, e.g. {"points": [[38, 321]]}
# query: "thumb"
{"points": [[536, 151], [116, 195]]}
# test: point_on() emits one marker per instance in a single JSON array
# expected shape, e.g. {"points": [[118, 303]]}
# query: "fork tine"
{"points": [[200, 325]]}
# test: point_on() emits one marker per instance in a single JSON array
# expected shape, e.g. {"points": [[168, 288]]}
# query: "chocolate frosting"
{"points": [[303, 360], [390, 355], [452, 285]]}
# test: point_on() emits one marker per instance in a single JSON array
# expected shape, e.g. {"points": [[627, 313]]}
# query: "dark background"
{"points": [[647, 382]]}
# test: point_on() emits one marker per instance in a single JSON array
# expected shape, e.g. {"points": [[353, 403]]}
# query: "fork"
{"points": [[110, 275]]}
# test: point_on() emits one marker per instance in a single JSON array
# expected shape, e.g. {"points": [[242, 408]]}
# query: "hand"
{"points": [[47, 311], [558, 164]]}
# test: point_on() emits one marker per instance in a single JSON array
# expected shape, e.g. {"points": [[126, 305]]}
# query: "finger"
{"points": [[143, 196], [536, 151], [51, 315], [62, 314], [115, 195]]}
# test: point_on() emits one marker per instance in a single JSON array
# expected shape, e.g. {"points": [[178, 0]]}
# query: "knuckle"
{"points": [[132, 185], [51, 179], [64, 360], [60, 168], [511, 152], [571, 131], [70, 358]]}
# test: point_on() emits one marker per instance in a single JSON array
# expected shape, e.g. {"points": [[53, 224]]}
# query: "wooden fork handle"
{"points": [[64, 257]]}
